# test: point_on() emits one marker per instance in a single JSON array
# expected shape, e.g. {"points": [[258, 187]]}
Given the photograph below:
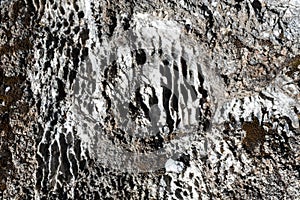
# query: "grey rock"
{"points": [[149, 99]]}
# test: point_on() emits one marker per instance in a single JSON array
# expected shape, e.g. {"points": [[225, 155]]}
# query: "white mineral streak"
{"points": [[281, 104], [174, 166]]}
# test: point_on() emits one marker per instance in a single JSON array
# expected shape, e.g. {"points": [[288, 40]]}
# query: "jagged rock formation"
{"points": [[149, 100]]}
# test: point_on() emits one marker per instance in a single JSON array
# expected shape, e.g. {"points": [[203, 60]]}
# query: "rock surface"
{"points": [[149, 99]]}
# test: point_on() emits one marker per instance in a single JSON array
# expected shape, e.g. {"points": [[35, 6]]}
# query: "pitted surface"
{"points": [[149, 100]]}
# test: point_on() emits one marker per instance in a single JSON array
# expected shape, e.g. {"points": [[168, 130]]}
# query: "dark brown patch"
{"points": [[2, 187], [16, 7], [21, 17], [238, 43], [255, 134], [293, 64], [20, 45], [10, 99], [18, 18], [267, 42]]}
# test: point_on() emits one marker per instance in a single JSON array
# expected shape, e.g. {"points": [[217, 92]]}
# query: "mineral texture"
{"points": [[165, 99]]}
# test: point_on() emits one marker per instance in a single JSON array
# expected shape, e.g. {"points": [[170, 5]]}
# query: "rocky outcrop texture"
{"points": [[149, 99]]}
